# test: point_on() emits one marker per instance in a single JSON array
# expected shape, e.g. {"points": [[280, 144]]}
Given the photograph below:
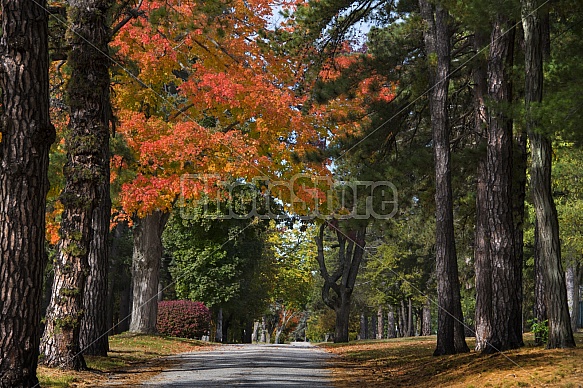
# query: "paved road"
{"points": [[249, 366]]}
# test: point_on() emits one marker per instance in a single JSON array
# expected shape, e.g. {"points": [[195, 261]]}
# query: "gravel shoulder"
{"points": [[294, 365]]}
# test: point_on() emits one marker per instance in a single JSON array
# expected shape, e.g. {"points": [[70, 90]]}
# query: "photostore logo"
{"points": [[304, 197]]}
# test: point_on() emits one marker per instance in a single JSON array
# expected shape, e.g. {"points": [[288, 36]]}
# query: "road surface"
{"points": [[296, 365]]}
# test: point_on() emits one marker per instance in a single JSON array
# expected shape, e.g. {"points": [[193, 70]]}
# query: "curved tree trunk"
{"points": [[94, 324], [146, 271], [85, 172], [341, 281], [450, 330], [560, 332], [27, 135]]}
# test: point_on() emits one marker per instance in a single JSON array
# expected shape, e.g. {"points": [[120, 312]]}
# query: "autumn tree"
{"points": [[216, 102], [26, 136], [86, 170]]}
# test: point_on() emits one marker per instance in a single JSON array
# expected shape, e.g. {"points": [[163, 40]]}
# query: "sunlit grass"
{"points": [[143, 355], [408, 362]]}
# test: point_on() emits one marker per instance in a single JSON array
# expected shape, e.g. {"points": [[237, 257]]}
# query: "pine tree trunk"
{"points": [[94, 325], [450, 332], [362, 334], [426, 319], [482, 264], [540, 304], [560, 332], [518, 200], [85, 173], [380, 323], [391, 332], [410, 326], [483, 270], [572, 281], [27, 135], [403, 321], [146, 271], [506, 307]]}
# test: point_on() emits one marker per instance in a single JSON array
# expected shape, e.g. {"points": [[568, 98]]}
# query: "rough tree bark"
{"points": [[483, 270], [560, 332], [391, 332], [341, 281], [450, 330], [572, 276], [506, 306], [363, 326], [380, 323], [146, 271], [426, 319], [85, 172], [482, 264], [94, 324], [540, 305], [27, 135]]}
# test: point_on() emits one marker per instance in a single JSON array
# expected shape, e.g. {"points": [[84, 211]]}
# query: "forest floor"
{"points": [[132, 359], [408, 362], [403, 362]]}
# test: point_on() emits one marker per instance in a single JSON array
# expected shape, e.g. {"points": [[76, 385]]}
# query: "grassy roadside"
{"points": [[132, 359], [408, 362]]}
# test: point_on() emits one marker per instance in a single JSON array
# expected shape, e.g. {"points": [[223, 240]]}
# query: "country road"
{"points": [[296, 365]]}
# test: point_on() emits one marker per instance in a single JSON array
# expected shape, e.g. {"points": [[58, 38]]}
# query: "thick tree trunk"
{"points": [[146, 271], [482, 264], [506, 307], [450, 331], [380, 323], [85, 173], [391, 332], [94, 324], [125, 306], [426, 319], [560, 333], [27, 135], [219, 326], [342, 322]]}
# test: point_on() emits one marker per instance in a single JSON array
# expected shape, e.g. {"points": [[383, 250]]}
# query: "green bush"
{"points": [[183, 318], [540, 330]]}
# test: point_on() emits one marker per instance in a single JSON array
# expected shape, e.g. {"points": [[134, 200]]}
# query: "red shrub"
{"points": [[183, 318]]}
